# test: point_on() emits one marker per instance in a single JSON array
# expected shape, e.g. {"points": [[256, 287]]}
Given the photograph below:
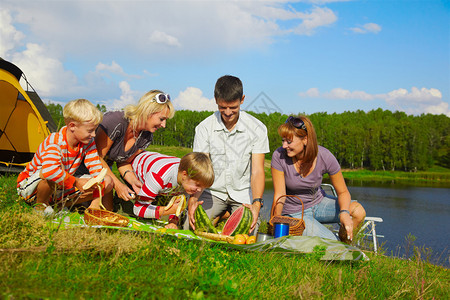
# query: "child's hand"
{"points": [[171, 208], [135, 183], [192, 206], [80, 182], [171, 226]]}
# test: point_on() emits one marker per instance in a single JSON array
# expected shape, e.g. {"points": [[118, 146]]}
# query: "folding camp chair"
{"points": [[368, 228]]}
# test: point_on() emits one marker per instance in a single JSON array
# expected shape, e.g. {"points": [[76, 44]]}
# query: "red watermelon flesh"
{"points": [[239, 222]]}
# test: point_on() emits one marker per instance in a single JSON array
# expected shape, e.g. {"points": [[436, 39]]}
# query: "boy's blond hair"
{"points": [[138, 114], [82, 110], [199, 167]]}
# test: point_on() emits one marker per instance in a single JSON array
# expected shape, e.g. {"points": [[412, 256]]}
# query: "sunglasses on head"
{"points": [[296, 122], [161, 98]]}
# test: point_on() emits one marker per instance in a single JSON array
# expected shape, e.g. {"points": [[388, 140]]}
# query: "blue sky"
{"points": [[292, 56]]}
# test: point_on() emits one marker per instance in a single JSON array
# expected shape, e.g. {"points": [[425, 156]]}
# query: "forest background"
{"points": [[374, 140]]}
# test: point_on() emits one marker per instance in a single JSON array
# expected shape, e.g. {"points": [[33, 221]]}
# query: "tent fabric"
{"points": [[22, 125], [333, 250], [45, 114]]}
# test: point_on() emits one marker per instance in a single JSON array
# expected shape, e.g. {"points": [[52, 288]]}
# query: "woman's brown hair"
{"points": [[288, 130]]}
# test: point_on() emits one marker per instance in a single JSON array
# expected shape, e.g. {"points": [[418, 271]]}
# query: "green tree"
{"points": [[56, 111]]}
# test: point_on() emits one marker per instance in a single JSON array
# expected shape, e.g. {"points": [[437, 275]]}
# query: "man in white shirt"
{"points": [[236, 143]]}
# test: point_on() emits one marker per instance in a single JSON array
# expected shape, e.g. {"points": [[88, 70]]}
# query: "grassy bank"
{"points": [[40, 261], [437, 176]]}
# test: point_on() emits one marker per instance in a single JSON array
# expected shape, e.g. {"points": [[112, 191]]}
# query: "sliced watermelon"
{"points": [[239, 222]]}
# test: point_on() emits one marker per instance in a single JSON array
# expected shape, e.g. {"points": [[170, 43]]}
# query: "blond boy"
{"points": [[48, 178]]}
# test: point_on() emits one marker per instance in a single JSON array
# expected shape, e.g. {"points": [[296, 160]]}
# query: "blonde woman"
{"points": [[297, 169], [124, 134]]}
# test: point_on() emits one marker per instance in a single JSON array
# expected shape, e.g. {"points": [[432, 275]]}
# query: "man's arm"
{"points": [[257, 182]]}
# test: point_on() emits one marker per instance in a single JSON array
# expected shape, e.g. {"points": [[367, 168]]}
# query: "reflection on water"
{"points": [[421, 211]]}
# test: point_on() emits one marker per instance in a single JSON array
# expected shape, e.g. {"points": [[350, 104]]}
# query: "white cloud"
{"points": [[10, 37], [192, 99], [423, 95], [53, 31], [319, 17], [339, 93], [326, 1], [194, 26], [105, 70], [416, 101], [159, 37], [128, 96], [311, 93], [113, 68], [45, 73], [367, 28]]}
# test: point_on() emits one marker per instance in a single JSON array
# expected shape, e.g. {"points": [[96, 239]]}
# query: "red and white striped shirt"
{"points": [[59, 162], [157, 172]]}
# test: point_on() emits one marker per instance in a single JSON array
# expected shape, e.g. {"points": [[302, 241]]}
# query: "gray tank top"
{"points": [[115, 125]]}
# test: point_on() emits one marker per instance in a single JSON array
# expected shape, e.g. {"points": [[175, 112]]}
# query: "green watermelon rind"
{"points": [[244, 225], [202, 222]]}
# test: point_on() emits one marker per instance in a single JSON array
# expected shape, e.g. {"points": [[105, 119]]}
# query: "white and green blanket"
{"points": [[333, 250]]}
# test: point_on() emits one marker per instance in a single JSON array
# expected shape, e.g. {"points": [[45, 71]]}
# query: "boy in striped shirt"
{"points": [[168, 175], [48, 177]]}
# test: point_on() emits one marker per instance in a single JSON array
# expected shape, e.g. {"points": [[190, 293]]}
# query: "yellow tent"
{"points": [[24, 119]]}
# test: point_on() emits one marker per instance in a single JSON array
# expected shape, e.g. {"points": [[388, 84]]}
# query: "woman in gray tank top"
{"points": [[124, 134], [298, 167]]}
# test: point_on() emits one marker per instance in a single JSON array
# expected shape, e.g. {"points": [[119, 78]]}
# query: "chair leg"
{"points": [[374, 235]]}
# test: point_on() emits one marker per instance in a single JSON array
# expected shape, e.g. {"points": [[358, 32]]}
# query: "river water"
{"points": [[423, 212]]}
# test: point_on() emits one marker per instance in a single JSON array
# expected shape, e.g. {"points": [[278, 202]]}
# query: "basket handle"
{"points": [[276, 203]]}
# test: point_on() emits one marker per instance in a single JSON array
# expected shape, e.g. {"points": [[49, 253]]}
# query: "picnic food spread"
{"points": [[235, 230]]}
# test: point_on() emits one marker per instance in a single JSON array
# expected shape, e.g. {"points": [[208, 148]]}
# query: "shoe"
{"points": [[44, 210]]}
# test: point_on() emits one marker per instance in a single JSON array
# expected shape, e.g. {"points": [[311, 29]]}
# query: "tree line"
{"points": [[376, 140]]}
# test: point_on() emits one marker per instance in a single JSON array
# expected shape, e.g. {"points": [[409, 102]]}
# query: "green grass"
{"points": [[436, 176], [170, 150], [38, 261]]}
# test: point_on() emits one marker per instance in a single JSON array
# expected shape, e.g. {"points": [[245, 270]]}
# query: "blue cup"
{"points": [[280, 229]]}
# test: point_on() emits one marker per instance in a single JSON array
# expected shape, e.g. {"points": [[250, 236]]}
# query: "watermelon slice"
{"points": [[239, 222]]}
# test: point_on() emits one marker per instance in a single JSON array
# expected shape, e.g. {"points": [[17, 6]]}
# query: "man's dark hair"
{"points": [[228, 88]]}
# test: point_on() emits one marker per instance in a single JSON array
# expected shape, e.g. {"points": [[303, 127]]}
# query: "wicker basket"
{"points": [[93, 216], [296, 226]]}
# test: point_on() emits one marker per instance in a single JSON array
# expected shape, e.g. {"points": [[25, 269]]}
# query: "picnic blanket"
{"points": [[333, 250]]}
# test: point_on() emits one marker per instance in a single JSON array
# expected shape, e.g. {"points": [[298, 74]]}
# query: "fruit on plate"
{"points": [[251, 240], [239, 239], [214, 236]]}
